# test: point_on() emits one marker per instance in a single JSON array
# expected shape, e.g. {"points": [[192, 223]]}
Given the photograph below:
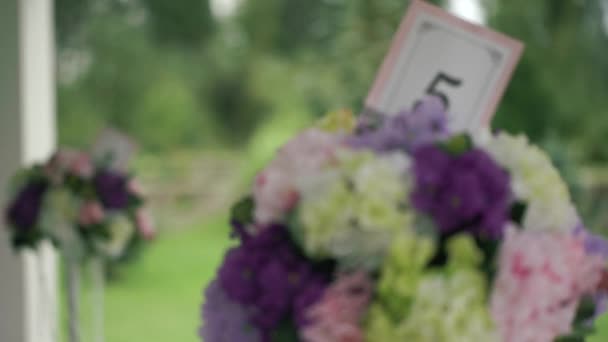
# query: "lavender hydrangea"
{"points": [[225, 320], [467, 191], [426, 123], [594, 244], [267, 274]]}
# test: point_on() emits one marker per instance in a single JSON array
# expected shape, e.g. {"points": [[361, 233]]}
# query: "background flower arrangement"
{"points": [[84, 207], [396, 229]]}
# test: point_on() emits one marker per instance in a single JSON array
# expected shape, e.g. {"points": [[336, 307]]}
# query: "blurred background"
{"points": [[210, 88]]}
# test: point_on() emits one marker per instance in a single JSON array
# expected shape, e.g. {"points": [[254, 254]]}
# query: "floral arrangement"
{"points": [[84, 207], [396, 229]]}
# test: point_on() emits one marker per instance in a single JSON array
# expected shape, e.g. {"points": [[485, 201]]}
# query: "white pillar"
{"points": [[27, 134]]}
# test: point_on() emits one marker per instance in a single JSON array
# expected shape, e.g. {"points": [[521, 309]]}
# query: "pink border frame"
{"points": [[403, 34]]}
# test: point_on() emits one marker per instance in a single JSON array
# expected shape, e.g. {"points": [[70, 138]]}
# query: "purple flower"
{"points": [[225, 320], [408, 129], [468, 191], [111, 186], [24, 211], [309, 295], [268, 275], [597, 245], [594, 244]]}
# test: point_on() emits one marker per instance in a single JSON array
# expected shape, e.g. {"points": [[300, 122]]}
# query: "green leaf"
{"points": [[242, 211], [457, 145], [286, 332], [518, 210], [585, 311]]}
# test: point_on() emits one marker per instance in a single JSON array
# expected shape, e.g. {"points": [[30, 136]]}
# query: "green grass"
{"points": [[158, 297]]}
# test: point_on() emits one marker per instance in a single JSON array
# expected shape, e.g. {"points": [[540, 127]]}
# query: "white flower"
{"points": [[121, 231], [275, 190], [59, 216], [534, 180], [352, 212]]}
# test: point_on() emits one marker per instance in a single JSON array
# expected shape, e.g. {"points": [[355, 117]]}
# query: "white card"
{"points": [[115, 146], [436, 53]]}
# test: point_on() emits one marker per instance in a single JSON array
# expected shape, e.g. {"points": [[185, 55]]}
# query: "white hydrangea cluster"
{"points": [[534, 180], [352, 211]]}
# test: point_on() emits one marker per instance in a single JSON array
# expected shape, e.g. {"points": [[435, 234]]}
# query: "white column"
{"points": [[27, 135]]}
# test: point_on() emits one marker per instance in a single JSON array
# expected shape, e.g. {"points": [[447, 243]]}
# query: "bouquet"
{"points": [[396, 229], [85, 208]]}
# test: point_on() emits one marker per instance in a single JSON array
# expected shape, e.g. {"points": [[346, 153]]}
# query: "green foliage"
{"points": [[242, 211], [560, 86], [185, 22]]}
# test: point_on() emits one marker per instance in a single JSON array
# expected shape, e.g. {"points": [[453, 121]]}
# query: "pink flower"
{"points": [[542, 276], [145, 224], [81, 165], [275, 190], [134, 187], [91, 212], [337, 316], [69, 161]]}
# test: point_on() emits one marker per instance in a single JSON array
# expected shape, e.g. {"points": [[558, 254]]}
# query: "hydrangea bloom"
{"points": [[426, 123], [266, 274], [468, 191], [536, 181], [275, 191], [111, 186], [59, 214], [542, 276], [337, 316], [340, 121], [352, 213], [224, 320], [429, 305], [121, 231], [24, 211]]}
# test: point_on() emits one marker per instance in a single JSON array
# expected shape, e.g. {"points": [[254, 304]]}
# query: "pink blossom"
{"points": [[134, 187], [542, 277], [145, 224], [275, 190], [69, 161], [337, 316], [91, 212], [81, 165]]}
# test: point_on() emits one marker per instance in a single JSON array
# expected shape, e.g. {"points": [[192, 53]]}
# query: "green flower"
{"points": [[352, 213], [339, 121], [417, 304]]}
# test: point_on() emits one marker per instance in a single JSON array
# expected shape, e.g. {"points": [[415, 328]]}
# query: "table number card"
{"points": [[436, 53], [115, 146]]}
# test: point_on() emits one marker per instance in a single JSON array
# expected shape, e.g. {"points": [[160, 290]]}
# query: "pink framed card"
{"points": [[435, 53]]}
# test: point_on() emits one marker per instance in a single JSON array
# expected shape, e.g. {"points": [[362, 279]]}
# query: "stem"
{"points": [[48, 309], [73, 287], [97, 275]]}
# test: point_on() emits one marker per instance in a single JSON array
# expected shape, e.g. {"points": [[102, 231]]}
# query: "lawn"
{"points": [[159, 296]]}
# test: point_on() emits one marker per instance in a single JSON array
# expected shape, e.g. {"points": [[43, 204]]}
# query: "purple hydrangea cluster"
{"points": [[426, 123], [111, 186], [24, 211], [267, 275], [225, 320], [468, 191]]}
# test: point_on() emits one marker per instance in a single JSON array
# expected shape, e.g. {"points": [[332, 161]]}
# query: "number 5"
{"points": [[432, 88]]}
